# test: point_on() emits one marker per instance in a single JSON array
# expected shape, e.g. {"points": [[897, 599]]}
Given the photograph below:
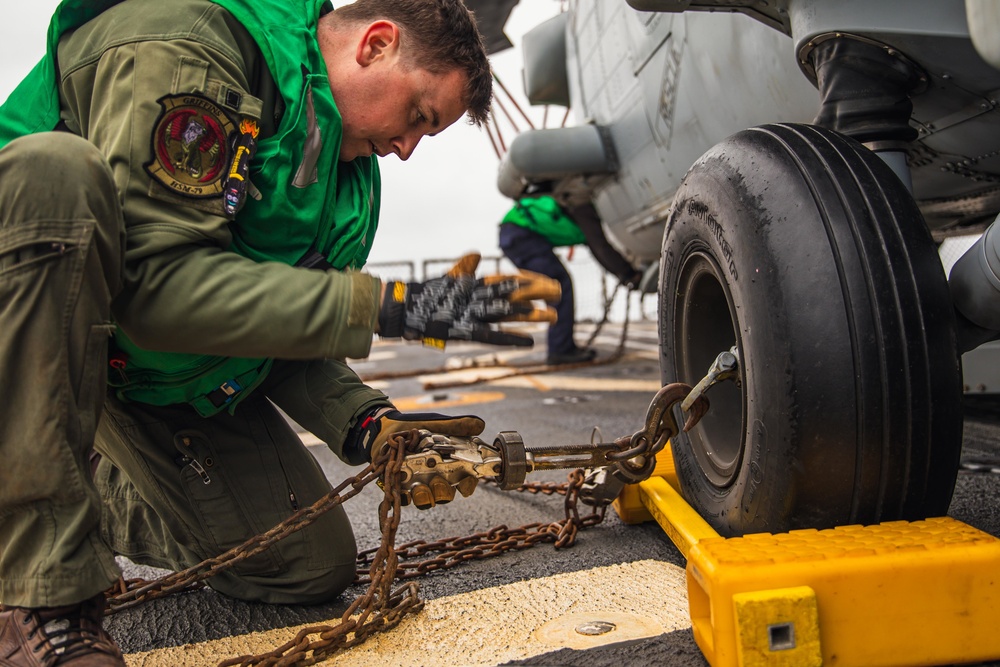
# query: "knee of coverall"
{"points": [[293, 586], [60, 176]]}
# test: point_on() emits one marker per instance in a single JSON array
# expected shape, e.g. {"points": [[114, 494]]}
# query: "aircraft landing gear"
{"points": [[803, 248]]}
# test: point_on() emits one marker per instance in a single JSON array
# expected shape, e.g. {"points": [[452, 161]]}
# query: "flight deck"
{"points": [[630, 590]]}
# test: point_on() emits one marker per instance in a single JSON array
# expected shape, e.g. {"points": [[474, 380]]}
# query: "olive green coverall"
{"points": [[83, 245]]}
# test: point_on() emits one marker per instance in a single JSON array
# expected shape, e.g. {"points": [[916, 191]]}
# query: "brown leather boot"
{"points": [[69, 636]]}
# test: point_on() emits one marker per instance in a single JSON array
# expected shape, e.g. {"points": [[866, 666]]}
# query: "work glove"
{"points": [[457, 306], [371, 434]]}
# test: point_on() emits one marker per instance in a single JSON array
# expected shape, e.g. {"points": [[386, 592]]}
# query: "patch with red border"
{"points": [[191, 146]]}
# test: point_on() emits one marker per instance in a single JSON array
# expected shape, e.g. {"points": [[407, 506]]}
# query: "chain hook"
{"points": [[661, 422], [637, 462]]}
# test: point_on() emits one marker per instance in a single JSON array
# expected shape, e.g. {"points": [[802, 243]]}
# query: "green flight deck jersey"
{"points": [[224, 138], [544, 216]]}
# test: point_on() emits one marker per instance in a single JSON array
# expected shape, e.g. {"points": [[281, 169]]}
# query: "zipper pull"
{"points": [[293, 499], [188, 459], [198, 468]]}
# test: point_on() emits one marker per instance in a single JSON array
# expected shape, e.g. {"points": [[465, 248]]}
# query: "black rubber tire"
{"points": [[804, 249]]}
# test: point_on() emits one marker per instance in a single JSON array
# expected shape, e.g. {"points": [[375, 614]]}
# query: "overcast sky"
{"points": [[440, 203]]}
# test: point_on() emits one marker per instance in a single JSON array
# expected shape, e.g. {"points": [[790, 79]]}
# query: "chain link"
{"points": [[136, 591], [637, 456], [379, 609], [420, 557], [535, 488]]}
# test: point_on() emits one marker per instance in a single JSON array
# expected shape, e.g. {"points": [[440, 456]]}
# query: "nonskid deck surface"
{"points": [[539, 606]]}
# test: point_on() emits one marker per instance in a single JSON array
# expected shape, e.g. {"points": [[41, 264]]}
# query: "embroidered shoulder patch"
{"points": [[191, 146]]}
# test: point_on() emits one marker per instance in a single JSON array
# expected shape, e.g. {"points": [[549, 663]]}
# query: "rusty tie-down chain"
{"points": [[132, 593], [421, 557], [377, 610], [381, 608]]}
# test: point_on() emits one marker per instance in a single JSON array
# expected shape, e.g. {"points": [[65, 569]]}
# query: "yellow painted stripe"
{"points": [[452, 399], [493, 626], [580, 383], [535, 382], [543, 381]]}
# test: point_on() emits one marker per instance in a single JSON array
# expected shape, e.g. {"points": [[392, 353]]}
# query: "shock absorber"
{"points": [[865, 89]]}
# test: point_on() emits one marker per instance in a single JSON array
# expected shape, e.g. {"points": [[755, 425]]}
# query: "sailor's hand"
{"points": [[430, 480], [425, 489], [443, 464], [382, 423], [457, 306]]}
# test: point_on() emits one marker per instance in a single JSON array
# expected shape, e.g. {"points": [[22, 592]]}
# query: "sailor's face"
{"points": [[396, 108]]}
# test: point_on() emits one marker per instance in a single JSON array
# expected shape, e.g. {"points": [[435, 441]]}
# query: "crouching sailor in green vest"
{"points": [[188, 190]]}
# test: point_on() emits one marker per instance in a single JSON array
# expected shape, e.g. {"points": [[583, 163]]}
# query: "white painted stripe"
{"points": [[382, 355], [579, 383], [541, 381], [631, 345], [493, 626]]}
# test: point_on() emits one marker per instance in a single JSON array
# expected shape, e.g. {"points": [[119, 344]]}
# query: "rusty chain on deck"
{"points": [[421, 557], [380, 608]]}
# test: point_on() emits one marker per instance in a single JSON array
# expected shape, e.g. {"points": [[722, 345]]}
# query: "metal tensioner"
{"points": [[442, 464]]}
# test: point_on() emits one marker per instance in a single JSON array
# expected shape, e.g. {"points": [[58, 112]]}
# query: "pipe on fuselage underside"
{"points": [[975, 289], [550, 155]]}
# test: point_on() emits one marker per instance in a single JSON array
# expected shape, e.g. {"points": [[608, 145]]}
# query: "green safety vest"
{"points": [[336, 215], [545, 217]]}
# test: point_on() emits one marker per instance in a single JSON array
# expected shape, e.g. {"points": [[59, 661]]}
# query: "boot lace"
{"points": [[68, 636]]}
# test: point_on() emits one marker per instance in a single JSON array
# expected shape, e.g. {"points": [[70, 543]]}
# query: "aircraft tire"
{"points": [[805, 250]]}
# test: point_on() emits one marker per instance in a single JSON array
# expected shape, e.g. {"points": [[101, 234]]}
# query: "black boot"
{"points": [[576, 356]]}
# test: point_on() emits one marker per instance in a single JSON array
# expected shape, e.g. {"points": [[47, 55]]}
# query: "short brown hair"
{"points": [[445, 37]]}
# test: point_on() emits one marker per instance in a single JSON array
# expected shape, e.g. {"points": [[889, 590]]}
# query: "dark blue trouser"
{"points": [[531, 252]]}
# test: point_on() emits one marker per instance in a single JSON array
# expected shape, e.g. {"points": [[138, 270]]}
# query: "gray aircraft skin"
{"points": [[666, 86], [784, 170]]}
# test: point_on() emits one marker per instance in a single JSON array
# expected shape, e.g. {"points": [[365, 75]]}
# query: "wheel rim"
{"points": [[704, 326]]}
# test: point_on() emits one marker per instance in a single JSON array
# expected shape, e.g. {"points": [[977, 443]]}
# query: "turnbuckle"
{"points": [[442, 463]]}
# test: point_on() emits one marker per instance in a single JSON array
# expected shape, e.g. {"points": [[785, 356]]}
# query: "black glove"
{"points": [[457, 306], [373, 430]]}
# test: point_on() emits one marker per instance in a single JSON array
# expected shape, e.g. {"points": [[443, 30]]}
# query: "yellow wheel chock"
{"points": [[896, 593]]}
